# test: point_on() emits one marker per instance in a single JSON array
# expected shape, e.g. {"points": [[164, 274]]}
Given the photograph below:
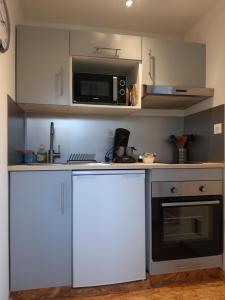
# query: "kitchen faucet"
{"points": [[52, 155]]}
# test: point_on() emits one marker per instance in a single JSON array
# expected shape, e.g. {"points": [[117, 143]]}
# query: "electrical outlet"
{"points": [[109, 133], [218, 128]]}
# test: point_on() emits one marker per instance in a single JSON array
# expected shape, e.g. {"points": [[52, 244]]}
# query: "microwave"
{"points": [[99, 89]]}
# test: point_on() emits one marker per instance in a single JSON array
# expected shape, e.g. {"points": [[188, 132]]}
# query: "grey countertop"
{"points": [[111, 166]]}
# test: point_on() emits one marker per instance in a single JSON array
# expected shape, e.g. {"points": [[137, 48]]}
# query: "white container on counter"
{"points": [[149, 158]]}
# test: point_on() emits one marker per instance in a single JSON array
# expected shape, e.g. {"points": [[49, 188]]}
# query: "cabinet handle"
{"points": [[98, 49], [61, 82], [151, 67], [62, 198]]}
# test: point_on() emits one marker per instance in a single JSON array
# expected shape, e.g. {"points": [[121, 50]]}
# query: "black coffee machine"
{"points": [[120, 154]]}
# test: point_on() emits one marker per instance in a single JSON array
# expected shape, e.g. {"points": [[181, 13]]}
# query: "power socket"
{"points": [[218, 128], [109, 133]]}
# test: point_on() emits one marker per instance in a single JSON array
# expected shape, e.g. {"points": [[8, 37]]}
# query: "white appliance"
{"points": [[108, 227]]}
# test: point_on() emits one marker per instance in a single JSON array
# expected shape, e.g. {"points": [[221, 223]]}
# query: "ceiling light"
{"points": [[129, 3]]}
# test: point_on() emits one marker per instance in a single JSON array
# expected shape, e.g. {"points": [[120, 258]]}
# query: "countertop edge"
{"points": [[102, 166]]}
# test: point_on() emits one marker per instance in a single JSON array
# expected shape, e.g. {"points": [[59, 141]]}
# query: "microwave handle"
{"points": [[197, 203], [115, 89]]}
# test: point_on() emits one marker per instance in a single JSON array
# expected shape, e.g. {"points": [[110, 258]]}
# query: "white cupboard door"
{"points": [[40, 229], [42, 65], [108, 229], [169, 62], [100, 44]]}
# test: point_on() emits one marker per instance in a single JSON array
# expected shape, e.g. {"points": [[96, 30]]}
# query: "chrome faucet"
{"points": [[52, 155]]}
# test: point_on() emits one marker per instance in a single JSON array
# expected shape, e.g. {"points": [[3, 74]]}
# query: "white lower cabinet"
{"points": [[108, 227], [40, 229]]}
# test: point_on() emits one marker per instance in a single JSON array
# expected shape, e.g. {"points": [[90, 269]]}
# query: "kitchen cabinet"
{"points": [[108, 227], [98, 44], [169, 62], [43, 66], [40, 229]]}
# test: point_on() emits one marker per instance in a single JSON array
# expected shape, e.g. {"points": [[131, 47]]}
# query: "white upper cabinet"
{"points": [[98, 44], [42, 65], [169, 62]]}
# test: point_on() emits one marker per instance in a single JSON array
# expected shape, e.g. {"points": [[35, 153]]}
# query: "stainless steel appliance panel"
{"points": [[186, 188], [182, 265], [186, 226]]}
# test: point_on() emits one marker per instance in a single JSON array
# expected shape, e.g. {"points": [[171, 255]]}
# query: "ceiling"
{"points": [[170, 17]]}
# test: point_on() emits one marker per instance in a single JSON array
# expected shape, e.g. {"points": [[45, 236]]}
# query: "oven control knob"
{"points": [[174, 190], [202, 189]]}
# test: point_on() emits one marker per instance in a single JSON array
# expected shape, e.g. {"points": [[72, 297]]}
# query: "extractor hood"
{"points": [[173, 97]]}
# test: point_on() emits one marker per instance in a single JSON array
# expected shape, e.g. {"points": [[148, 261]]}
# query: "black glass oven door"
{"points": [[92, 88], [186, 227]]}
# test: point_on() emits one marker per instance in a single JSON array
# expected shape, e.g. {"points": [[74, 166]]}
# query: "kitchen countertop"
{"points": [[111, 166]]}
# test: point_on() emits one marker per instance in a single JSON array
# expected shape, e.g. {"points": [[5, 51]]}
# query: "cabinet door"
{"points": [[108, 228], [105, 45], [42, 65], [167, 62], [40, 229]]}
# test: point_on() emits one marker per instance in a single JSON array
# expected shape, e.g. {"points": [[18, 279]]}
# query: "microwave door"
{"points": [[92, 88]]}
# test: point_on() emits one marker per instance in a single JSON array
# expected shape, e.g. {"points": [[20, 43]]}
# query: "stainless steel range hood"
{"points": [[173, 97]]}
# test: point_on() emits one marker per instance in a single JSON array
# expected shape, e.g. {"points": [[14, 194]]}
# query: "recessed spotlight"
{"points": [[129, 3]]}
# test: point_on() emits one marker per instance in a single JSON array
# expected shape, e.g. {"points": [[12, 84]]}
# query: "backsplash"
{"points": [[207, 146], [94, 134], [91, 134]]}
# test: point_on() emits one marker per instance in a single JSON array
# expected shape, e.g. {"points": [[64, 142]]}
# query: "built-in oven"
{"points": [[187, 224], [99, 89]]}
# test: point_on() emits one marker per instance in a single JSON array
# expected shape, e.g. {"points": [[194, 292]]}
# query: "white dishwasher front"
{"points": [[108, 227]]}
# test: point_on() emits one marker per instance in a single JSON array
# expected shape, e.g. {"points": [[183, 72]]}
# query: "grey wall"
{"points": [[207, 146], [16, 132], [89, 134]]}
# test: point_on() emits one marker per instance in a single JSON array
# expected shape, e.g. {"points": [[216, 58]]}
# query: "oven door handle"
{"points": [[197, 203]]}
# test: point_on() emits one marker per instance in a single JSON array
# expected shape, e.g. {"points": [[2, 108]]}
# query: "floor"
{"points": [[203, 285]]}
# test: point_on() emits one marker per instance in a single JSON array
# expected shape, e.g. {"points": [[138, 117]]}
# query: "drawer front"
{"points": [[99, 44]]}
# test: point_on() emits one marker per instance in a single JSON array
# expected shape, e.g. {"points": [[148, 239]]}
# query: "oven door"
{"points": [[93, 88], [186, 227]]}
